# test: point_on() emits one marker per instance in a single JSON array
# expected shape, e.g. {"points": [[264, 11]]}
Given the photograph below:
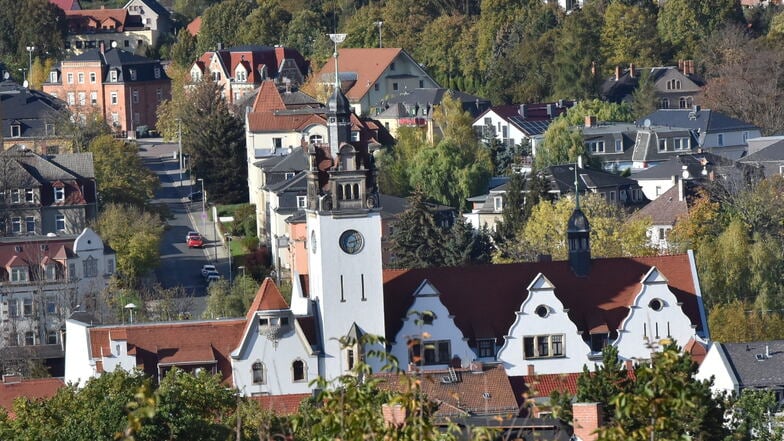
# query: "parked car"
{"points": [[195, 196], [207, 269], [213, 277], [195, 241], [210, 274], [190, 234]]}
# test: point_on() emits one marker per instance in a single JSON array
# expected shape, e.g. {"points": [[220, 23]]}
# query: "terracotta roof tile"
{"points": [[194, 26], [268, 298], [31, 389], [367, 63], [175, 343], [280, 404], [268, 98], [482, 296]]}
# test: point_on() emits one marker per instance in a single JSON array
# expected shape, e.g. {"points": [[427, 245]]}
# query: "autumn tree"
{"points": [[629, 36], [230, 299], [121, 176], [644, 100], [562, 143], [754, 416], [739, 321]]}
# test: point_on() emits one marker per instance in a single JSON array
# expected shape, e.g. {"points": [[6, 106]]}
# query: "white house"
{"points": [[735, 367]]}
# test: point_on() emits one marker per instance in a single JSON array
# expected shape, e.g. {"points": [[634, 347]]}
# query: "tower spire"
{"points": [[337, 39]]}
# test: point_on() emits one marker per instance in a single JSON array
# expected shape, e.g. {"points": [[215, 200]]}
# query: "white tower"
{"points": [[344, 241]]}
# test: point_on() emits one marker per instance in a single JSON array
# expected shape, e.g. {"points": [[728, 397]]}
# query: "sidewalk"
{"points": [[214, 244]]}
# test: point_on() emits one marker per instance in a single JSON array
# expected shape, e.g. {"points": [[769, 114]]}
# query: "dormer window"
{"points": [[113, 75], [59, 193], [498, 203], [16, 130], [240, 75], [51, 272], [53, 76], [19, 274]]}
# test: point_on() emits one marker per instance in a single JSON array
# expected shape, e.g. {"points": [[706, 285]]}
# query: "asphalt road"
{"points": [[180, 266]]}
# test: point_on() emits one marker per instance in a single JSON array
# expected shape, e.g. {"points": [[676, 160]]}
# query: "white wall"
{"points": [[649, 186], [78, 366], [557, 322], [443, 328], [715, 366], [498, 123]]}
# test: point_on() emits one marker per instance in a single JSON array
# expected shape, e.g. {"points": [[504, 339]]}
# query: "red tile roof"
{"points": [[268, 98], [195, 26], [268, 298], [174, 343], [483, 298], [542, 385], [367, 63], [32, 253], [66, 5], [280, 404], [93, 18], [256, 57], [31, 389], [464, 396]]}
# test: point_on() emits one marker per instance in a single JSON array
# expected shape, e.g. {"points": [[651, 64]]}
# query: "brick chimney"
{"points": [[680, 66], [590, 120], [587, 418], [617, 73], [101, 46], [531, 370]]}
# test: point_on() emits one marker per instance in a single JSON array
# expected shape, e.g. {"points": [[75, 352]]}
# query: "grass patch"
{"points": [[228, 210]]}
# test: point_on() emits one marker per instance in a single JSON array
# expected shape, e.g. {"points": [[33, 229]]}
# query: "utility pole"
{"points": [[179, 146]]}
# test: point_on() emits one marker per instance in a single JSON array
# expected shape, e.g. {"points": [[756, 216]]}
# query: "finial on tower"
{"points": [[337, 39], [577, 165]]}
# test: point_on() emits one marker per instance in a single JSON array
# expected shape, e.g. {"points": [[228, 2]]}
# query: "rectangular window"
{"points": [[392, 66], [157, 72], [126, 43], [93, 98], [53, 77], [16, 224], [72, 271], [435, 352], [59, 194], [70, 77], [680, 143], [90, 267], [82, 98], [29, 195], [394, 86], [135, 95], [720, 139], [59, 222], [27, 307], [29, 338], [115, 118], [71, 98], [543, 346], [113, 76], [51, 274], [13, 309], [662, 145], [133, 74], [216, 76], [595, 146], [51, 337], [612, 196], [486, 348], [498, 203], [421, 84], [301, 201], [92, 77], [277, 143], [658, 190], [16, 196], [355, 135], [618, 146], [30, 224], [376, 87], [745, 136], [81, 77], [19, 274]]}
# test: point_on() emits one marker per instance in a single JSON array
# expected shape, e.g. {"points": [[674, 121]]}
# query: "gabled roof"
{"points": [[31, 109], [66, 5], [424, 99], [756, 364], [704, 120], [665, 209], [153, 5], [78, 19], [532, 118], [366, 63], [481, 297], [31, 389], [562, 179], [616, 89], [254, 58], [80, 164], [207, 342], [695, 163], [773, 152], [268, 298]]}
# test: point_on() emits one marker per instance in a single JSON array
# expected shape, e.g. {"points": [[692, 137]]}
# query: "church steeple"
{"points": [[578, 234]]}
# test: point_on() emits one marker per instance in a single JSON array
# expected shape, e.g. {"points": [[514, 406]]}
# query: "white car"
{"points": [[207, 269], [213, 277]]}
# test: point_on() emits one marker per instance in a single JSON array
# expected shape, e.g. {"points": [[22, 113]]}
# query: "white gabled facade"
{"points": [[429, 333], [543, 335], [716, 366], [655, 316]]}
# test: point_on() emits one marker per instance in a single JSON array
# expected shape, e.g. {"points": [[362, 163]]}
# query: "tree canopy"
{"points": [[121, 176]]}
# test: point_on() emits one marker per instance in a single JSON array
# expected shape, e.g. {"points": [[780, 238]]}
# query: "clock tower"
{"points": [[344, 243]]}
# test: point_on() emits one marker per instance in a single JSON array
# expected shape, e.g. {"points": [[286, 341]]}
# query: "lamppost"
{"points": [[228, 245], [179, 147], [30, 50], [130, 307], [241, 267], [379, 24], [203, 207]]}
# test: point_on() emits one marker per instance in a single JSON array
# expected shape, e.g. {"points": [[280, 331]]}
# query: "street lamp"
{"points": [[179, 146], [130, 307], [30, 50], [228, 245], [379, 24], [203, 207], [242, 267]]}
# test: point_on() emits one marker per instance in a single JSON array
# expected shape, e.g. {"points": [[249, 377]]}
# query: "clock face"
{"points": [[351, 241]]}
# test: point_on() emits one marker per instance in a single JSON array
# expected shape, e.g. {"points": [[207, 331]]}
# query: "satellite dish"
{"points": [[646, 123]]}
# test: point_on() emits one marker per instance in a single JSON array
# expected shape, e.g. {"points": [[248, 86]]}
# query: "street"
{"points": [[180, 266]]}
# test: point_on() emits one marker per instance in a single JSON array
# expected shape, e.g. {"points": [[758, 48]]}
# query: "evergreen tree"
{"points": [[606, 381], [513, 214], [417, 241], [644, 101], [459, 242]]}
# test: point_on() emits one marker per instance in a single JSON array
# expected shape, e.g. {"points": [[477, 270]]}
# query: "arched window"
{"points": [[348, 192], [258, 373], [298, 370], [682, 103], [356, 191], [340, 192]]}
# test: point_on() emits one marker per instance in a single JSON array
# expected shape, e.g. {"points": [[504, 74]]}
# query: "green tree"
{"points": [[513, 215], [266, 24], [220, 23], [562, 143], [724, 273], [665, 402], [121, 176], [578, 60], [183, 51], [644, 100], [135, 235], [602, 110], [629, 36], [417, 240], [306, 32], [215, 143], [395, 162], [754, 416], [607, 380], [439, 52], [81, 133], [230, 300]]}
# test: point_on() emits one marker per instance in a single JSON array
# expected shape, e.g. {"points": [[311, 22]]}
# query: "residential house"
{"points": [[153, 16], [124, 88], [414, 108], [370, 76], [664, 211], [29, 119], [89, 28], [487, 210], [674, 87], [716, 132], [240, 70], [41, 195], [694, 166], [736, 367], [43, 280], [522, 124], [14, 386], [770, 158], [556, 316]]}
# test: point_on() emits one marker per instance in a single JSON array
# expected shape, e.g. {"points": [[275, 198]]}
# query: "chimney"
{"points": [[220, 46], [617, 73], [674, 180], [590, 120], [586, 419], [531, 371], [523, 110], [680, 190], [681, 66], [631, 70], [477, 367], [689, 67], [580, 162], [101, 46], [695, 108], [629, 365]]}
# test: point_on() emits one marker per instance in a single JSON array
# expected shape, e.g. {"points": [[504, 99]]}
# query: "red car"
{"points": [[195, 240]]}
